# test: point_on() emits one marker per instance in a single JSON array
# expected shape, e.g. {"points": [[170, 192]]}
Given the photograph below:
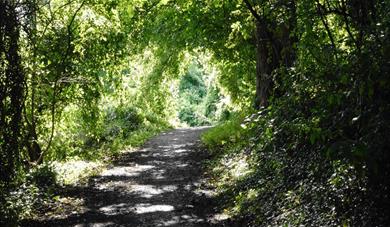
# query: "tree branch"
{"points": [[253, 11], [54, 101], [325, 23]]}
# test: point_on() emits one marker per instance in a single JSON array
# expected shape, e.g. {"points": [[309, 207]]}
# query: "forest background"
{"points": [[299, 91]]}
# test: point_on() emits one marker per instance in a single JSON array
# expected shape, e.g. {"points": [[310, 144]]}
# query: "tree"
{"points": [[12, 80], [274, 43]]}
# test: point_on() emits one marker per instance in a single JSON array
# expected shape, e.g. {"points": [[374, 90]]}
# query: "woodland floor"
{"points": [[161, 184]]}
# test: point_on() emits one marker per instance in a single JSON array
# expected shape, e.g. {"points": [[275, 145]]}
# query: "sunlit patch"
{"points": [[165, 147], [202, 192], [164, 153], [148, 191], [144, 150], [97, 224], [70, 172], [107, 186], [192, 218], [157, 162], [115, 209], [180, 150], [175, 146], [174, 221], [181, 220], [143, 208], [130, 171], [182, 145], [188, 187], [237, 166], [182, 165], [170, 153], [218, 218]]}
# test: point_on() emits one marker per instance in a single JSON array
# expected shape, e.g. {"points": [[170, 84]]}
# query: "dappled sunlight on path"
{"points": [[161, 184]]}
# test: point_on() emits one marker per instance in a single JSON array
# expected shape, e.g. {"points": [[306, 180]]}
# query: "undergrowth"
{"points": [[284, 167]]}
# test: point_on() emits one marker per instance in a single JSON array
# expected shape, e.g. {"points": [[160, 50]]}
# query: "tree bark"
{"points": [[272, 50], [263, 69], [11, 91]]}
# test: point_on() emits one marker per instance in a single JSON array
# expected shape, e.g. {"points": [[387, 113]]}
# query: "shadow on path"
{"points": [[158, 185]]}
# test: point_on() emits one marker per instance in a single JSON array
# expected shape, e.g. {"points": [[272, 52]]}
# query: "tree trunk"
{"points": [[263, 69], [11, 91], [272, 51]]}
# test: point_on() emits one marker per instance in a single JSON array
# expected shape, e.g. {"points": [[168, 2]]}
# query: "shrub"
{"points": [[229, 131], [121, 121], [42, 176]]}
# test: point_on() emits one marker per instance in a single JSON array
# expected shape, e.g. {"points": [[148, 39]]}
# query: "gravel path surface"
{"points": [[160, 184]]}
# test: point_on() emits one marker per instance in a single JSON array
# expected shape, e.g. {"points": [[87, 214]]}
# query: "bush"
{"points": [[228, 132], [43, 176], [22, 200], [120, 122]]}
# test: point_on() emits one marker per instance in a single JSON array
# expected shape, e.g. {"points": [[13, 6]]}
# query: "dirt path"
{"points": [[161, 184]]}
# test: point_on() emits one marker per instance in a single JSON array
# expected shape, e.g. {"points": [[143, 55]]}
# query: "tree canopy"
{"points": [[296, 79]]}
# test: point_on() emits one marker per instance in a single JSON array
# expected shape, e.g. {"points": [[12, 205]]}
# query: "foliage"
{"points": [[263, 179], [73, 76], [120, 122], [316, 151], [228, 131], [73, 172], [198, 101], [42, 176], [36, 189], [84, 79]]}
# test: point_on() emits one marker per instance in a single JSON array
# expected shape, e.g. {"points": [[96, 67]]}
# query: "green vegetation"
{"points": [[299, 88], [199, 103]]}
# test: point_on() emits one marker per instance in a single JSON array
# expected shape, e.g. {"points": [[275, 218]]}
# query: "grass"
{"points": [[226, 132]]}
